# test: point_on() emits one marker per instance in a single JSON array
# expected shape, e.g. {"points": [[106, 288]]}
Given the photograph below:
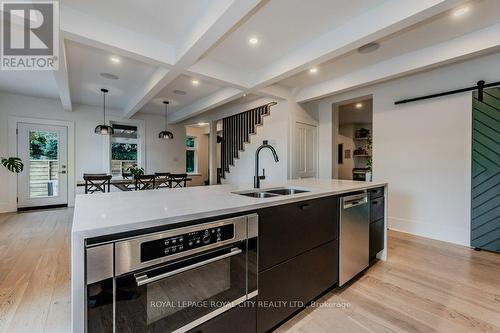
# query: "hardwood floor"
{"points": [[35, 271], [426, 286]]}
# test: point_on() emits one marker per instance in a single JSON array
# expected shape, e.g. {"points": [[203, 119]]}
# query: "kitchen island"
{"points": [[106, 218]]}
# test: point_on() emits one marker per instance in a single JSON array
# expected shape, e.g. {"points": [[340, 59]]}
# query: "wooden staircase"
{"points": [[236, 131]]}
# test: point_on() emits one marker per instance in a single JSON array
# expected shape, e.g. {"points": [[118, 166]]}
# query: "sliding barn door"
{"points": [[485, 222]]}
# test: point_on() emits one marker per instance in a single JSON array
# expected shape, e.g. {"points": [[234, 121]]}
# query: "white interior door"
{"points": [[304, 150], [44, 152]]}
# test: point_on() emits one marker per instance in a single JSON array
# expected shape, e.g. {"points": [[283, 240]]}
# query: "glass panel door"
{"points": [[43, 151], [43, 164]]}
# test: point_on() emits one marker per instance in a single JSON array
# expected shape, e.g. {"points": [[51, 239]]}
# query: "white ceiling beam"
{"points": [[375, 24], [217, 99], [379, 22], [213, 71], [212, 27], [88, 30], [149, 90], [204, 35], [460, 48], [275, 91], [61, 78]]}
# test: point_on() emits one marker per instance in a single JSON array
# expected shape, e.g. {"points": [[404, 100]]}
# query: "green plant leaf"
{"points": [[13, 164], [136, 171]]}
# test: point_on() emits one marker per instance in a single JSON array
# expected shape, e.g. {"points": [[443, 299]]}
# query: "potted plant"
{"points": [[369, 160], [135, 170], [13, 164], [368, 174]]}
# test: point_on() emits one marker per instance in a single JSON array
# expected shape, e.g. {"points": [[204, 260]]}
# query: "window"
{"points": [[124, 149], [191, 154], [43, 164]]}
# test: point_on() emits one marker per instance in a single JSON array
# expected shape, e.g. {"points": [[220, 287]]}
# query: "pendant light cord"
{"points": [[104, 106], [166, 115]]}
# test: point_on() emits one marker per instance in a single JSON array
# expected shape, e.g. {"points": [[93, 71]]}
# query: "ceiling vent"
{"points": [[109, 76], [369, 48]]}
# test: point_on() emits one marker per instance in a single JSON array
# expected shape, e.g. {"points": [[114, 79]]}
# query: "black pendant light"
{"points": [[166, 134], [104, 129]]}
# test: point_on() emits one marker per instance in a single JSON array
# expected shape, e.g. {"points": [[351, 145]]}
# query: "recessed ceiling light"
{"points": [[180, 92], [368, 48], [195, 82], [313, 70], [459, 12], [359, 105], [253, 41], [109, 76], [116, 60]]}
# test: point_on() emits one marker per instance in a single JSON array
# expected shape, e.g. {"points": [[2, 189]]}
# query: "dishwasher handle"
{"points": [[354, 200]]}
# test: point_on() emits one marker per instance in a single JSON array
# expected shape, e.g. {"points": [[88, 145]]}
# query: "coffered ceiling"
{"points": [[282, 26], [154, 50]]}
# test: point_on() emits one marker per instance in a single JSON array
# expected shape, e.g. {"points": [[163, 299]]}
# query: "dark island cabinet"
{"points": [[289, 230], [376, 238], [287, 287], [298, 257], [377, 215]]}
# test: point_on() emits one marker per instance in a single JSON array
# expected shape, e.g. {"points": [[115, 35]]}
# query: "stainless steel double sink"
{"points": [[270, 193]]}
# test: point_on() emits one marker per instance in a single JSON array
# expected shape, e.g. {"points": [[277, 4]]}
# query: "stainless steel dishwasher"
{"points": [[354, 236]]}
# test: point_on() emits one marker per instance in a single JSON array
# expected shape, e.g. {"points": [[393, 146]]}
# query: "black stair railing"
{"points": [[236, 131]]}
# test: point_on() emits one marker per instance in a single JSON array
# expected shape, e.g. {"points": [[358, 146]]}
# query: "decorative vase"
{"points": [[368, 176]]}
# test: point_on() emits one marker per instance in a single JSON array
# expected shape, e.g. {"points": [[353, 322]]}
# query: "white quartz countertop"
{"points": [[108, 213]]}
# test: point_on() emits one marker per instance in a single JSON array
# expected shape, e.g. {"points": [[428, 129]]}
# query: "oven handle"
{"points": [[143, 279]]}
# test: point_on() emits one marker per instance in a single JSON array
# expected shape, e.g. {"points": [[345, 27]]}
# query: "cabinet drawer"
{"points": [[376, 237], [302, 279], [288, 230], [241, 319], [376, 192], [376, 209]]}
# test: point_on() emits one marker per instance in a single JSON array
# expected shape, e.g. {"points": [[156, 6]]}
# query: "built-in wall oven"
{"points": [[172, 281]]}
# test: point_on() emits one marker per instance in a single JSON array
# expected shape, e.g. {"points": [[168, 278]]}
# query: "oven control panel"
{"points": [[184, 242]]}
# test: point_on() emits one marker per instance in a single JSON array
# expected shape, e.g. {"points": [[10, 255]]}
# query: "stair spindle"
{"points": [[236, 132]]}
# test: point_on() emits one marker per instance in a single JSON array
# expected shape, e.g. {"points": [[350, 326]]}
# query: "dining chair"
{"points": [[145, 182], [126, 187], [96, 182], [162, 179], [178, 180]]}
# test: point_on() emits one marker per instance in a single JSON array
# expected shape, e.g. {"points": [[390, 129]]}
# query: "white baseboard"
{"points": [[7, 207], [460, 236]]}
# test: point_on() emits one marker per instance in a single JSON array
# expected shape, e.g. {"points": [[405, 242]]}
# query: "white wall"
{"points": [[163, 155], [92, 151], [275, 129], [422, 149], [327, 131]]}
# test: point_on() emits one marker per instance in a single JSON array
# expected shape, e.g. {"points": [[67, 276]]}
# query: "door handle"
{"points": [[143, 279], [306, 207], [63, 172]]}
